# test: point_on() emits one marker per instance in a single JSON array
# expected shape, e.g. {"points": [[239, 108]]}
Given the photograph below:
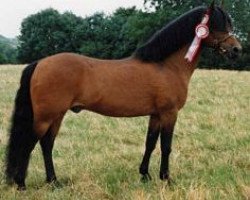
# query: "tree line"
{"points": [[8, 51], [118, 35]]}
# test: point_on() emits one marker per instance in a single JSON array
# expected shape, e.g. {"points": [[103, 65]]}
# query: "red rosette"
{"points": [[202, 31]]}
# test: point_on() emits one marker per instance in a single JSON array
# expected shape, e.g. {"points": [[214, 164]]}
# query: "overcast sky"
{"points": [[12, 12]]}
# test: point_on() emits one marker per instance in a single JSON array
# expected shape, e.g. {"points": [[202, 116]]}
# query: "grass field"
{"points": [[98, 157]]}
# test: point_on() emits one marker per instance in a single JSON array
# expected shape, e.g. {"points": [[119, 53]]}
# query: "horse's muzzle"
{"points": [[232, 53]]}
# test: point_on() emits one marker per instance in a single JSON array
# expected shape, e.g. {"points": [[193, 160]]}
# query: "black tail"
{"points": [[22, 139]]}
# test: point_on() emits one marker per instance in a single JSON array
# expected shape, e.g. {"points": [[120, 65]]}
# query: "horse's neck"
{"points": [[177, 63]]}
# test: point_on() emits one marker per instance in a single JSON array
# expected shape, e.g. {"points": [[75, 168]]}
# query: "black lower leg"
{"points": [[21, 174], [23, 162], [47, 143], [166, 140], [152, 137]]}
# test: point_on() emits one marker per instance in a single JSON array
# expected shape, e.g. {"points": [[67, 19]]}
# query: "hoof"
{"points": [[166, 178], [55, 184], [21, 187], [146, 177], [51, 180]]}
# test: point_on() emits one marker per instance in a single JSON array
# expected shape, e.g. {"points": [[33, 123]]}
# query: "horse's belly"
{"points": [[125, 109]]}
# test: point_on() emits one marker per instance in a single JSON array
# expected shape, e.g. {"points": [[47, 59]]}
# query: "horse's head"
{"points": [[221, 36]]}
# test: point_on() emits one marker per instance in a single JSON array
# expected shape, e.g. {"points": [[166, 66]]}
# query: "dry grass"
{"points": [[98, 157]]}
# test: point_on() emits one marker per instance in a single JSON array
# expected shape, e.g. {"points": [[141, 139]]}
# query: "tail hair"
{"points": [[21, 136]]}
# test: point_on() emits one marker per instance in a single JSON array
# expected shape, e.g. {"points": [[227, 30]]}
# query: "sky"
{"points": [[12, 12]]}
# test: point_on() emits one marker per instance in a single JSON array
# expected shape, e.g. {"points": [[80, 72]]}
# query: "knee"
{"points": [[166, 151], [150, 147]]}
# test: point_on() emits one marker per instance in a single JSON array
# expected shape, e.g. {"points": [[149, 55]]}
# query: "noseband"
{"points": [[217, 43]]}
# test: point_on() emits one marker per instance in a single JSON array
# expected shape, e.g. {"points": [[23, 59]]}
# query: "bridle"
{"points": [[217, 43]]}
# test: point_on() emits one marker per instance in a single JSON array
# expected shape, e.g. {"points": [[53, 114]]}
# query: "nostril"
{"points": [[236, 49]]}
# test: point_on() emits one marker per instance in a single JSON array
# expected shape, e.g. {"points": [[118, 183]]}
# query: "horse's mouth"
{"points": [[222, 51], [228, 53]]}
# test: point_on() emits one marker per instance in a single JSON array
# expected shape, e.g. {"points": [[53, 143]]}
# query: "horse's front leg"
{"points": [[168, 120], [152, 136]]}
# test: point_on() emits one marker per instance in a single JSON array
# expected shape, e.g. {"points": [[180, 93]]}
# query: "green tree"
{"points": [[105, 36], [8, 51], [46, 33], [95, 37], [2, 59], [49, 32], [123, 44]]}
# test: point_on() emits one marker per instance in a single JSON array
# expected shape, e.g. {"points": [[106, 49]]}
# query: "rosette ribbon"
{"points": [[201, 32]]}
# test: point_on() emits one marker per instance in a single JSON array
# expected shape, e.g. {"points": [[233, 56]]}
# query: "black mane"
{"points": [[177, 33]]}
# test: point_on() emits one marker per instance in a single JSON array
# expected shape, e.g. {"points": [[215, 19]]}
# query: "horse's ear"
{"points": [[212, 5]]}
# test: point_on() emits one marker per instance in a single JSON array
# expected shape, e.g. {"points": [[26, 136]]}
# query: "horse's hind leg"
{"points": [[27, 144], [47, 143], [23, 162], [152, 136]]}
